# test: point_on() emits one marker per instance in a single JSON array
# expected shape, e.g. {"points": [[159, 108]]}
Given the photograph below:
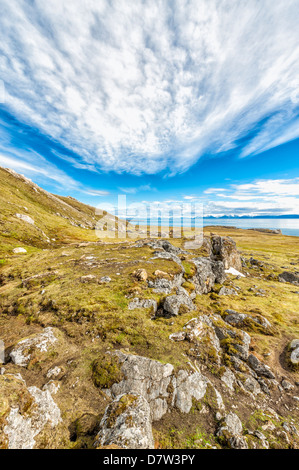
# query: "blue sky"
{"points": [[167, 101]]}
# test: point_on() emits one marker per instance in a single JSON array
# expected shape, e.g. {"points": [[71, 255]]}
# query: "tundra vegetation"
{"points": [[141, 343]]}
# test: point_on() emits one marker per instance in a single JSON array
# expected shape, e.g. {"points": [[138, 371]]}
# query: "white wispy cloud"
{"points": [[268, 197], [147, 85]]}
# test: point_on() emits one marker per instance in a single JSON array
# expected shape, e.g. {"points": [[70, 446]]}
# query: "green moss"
{"points": [[106, 371], [119, 407]]}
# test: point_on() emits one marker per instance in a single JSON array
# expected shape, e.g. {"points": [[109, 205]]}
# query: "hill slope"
{"points": [[34, 218]]}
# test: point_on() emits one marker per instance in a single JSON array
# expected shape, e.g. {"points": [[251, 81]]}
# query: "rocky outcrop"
{"points": [[127, 423], [230, 431], [25, 411], [159, 385], [172, 304], [207, 273], [235, 342], [225, 250], [200, 330], [36, 344], [292, 278], [164, 285], [145, 377], [243, 320]]}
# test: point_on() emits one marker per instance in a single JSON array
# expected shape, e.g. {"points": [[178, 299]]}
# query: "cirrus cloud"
{"points": [[152, 85]]}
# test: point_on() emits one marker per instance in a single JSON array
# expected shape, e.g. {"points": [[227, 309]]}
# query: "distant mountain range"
{"points": [[287, 216]]}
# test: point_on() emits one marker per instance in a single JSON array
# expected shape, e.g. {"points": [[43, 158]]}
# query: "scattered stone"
{"points": [[226, 291], [25, 218], [54, 372], [294, 352], [19, 250], [140, 274], [143, 303], [286, 385], [105, 279]]}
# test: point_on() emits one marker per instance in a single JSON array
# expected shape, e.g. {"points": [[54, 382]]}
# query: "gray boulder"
{"points": [[294, 352], [231, 430], [25, 218], [225, 250], [262, 370], [205, 277], [143, 303], [27, 410], [173, 303], [22, 351], [227, 291], [145, 377], [127, 424], [292, 278]]}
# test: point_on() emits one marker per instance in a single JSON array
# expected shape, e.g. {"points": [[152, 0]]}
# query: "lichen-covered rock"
{"points": [[159, 385], [127, 423], [252, 385], [230, 431], [146, 377], [173, 303], [143, 303], [24, 412], [225, 250], [243, 320], [205, 277], [164, 285], [167, 255], [227, 291], [188, 386], [234, 342], [229, 379], [39, 344]]}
